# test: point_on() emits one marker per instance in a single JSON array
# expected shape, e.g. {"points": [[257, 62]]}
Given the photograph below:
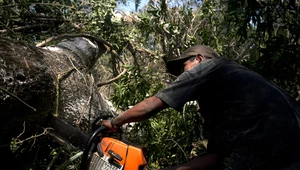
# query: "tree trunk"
{"points": [[49, 87]]}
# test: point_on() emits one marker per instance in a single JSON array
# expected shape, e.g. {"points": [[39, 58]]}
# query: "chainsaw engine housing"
{"points": [[113, 154]]}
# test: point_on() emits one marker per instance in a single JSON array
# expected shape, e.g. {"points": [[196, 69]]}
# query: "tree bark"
{"points": [[49, 87]]}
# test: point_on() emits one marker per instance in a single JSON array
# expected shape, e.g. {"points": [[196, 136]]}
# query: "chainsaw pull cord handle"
{"points": [[88, 147]]}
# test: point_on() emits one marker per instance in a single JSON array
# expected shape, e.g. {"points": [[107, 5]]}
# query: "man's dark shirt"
{"points": [[254, 123]]}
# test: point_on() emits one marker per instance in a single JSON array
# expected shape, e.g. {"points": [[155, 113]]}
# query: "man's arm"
{"points": [[141, 111], [204, 162]]}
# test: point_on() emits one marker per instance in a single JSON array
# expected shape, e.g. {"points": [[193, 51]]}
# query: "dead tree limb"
{"points": [[298, 97], [63, 36], [21, 28], [113, 79]]}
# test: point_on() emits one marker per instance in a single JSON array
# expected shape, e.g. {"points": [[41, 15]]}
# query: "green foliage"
{"points": [[134, 86], [32, 20], [43, 153], [171, 137], [168, 29], [276, 25], [15, 144]]}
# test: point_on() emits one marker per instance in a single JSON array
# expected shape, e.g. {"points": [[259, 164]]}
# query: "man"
{"points": [[253, 123]]}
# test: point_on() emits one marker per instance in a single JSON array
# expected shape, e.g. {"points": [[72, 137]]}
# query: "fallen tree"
{"points": [[49, 90]]}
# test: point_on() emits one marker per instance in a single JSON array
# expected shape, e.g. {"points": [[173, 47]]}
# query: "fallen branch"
{"points": [[21, 28], [298, 97], [69, 161], [63, 36], [179, 148], [113, 79], [38, 3], [18, 141], [99, 41], [9, 93], [67, 134]]}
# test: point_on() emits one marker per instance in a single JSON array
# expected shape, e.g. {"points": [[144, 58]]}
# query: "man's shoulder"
{"points": [[214, 65]]}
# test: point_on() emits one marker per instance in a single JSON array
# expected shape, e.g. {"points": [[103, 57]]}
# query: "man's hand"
{"points": [[108, 124], [141, 111]]}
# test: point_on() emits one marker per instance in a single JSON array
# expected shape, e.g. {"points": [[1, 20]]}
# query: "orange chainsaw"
{"points": [[108, 153]]}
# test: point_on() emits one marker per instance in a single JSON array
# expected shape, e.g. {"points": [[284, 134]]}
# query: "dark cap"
{"points": [[174, 65]]}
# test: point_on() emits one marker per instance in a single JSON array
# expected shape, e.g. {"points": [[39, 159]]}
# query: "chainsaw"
{"points": [[104, 152]]}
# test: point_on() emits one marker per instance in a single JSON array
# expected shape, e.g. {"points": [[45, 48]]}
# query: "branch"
{"points": [[179, 148], [245, 49], [70, 136], [52, 4], [99, 41], [298, 91], [37, 3], [298, 98], [69, 161], [47, 19], [133, 48], [113, 79], [18, 141], [63, 36], [18, 98], [21, 28]]}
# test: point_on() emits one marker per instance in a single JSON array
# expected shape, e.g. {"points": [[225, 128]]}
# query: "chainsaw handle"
{"points": [[88, 147]]}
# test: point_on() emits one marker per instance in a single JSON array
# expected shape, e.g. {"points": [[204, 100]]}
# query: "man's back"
{"points": [[253, 122], [257, 123]]}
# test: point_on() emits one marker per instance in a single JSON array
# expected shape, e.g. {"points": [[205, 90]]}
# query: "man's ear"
{"points": [[200, 58]]}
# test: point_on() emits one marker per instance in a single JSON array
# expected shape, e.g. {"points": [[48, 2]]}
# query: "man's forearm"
{"points": [[141, 111]]}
